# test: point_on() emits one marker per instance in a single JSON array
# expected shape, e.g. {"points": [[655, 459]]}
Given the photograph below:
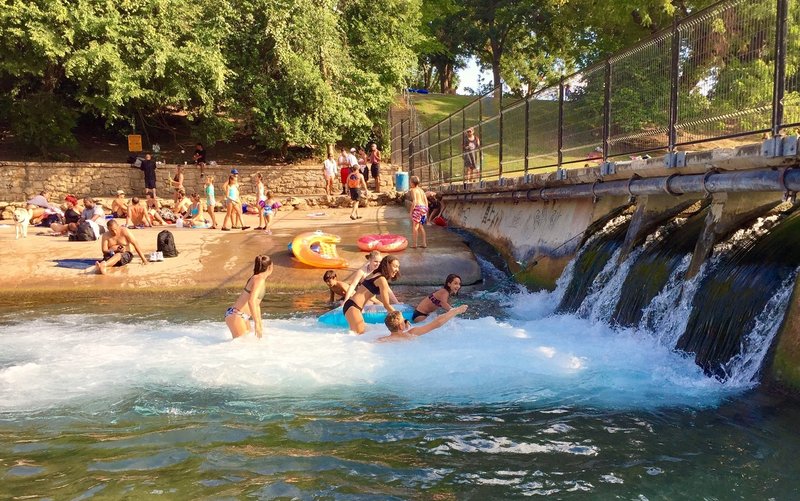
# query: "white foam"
{"points": [[556, 361]]}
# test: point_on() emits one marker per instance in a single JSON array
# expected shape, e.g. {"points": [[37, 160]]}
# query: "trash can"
{"points": [[401, 181]]}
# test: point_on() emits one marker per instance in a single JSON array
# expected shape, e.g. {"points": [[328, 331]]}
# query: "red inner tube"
{"points": [[382, 243]]}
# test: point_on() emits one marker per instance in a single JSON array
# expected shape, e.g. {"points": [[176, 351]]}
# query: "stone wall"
{"points": [[19, 181]]}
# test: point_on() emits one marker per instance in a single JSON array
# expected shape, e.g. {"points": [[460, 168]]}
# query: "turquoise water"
{"points": [[511, 401]]}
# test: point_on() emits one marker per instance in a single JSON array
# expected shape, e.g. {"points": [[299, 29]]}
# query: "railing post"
{"points": [[480, 137], [450, 143], [560, 119], [779, 84], [607, 110], [402, 142], [673, 86], [500, 145], [527, 132], [411, 157]]}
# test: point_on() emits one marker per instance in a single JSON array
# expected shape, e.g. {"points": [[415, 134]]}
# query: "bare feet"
{"points": [[101, 267]]}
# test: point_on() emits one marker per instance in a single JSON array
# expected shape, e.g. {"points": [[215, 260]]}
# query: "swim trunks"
{"points": [[355, 194], [418, 215], [376, 170], [126, 258]]}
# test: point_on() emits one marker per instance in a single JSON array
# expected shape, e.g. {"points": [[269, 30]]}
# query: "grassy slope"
{"points": [[431, 108]]}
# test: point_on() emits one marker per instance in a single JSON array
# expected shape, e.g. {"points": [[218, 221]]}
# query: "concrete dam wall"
{"points": [[721, 225]]}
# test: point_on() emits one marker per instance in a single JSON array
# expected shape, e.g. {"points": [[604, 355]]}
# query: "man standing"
{"points": [[116, 246], [375, 166], [329, 172], [149, 168]]}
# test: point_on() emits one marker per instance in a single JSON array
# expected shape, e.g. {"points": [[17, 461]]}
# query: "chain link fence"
{"points": [[727, 75]]}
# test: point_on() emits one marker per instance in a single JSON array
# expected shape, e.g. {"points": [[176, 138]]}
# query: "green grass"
{"points": [[433, 108]]}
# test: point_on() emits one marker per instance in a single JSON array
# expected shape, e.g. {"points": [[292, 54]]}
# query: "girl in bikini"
{"points": [[358, 276], [438, 299], [248, 305], [377, 284]]}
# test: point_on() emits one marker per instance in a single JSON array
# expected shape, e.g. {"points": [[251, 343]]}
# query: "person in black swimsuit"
{"points": [[248, 304], [438, 299], [375, 285]]}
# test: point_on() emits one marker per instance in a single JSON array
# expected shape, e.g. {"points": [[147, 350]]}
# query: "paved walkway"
{"points": [[213, 259]]}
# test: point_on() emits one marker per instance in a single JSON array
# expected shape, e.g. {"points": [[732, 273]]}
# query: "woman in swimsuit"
{"points": [[177, 183], [211, 201], [358, 276], [248, 305], [438, 299], [377, 284]]}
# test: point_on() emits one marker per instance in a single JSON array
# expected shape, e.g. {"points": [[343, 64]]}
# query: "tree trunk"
{"points": [[446, 75]]}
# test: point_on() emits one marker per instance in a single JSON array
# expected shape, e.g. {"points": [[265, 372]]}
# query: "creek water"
{"points": [[513, 400]]}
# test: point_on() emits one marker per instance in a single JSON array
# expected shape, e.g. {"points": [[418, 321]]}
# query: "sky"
{"points": [[469, 76]]}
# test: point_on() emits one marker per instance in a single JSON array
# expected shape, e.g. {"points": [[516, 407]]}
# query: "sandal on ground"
{"points": [[225, 229], [245, 228]]}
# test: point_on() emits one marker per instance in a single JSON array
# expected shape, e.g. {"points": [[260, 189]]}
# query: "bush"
{"points": [[43, 123]]}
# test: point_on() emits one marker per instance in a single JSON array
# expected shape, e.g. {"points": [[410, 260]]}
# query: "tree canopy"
{"points": [[282, 71]]}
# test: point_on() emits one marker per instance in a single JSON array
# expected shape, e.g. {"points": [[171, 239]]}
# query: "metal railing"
{"points": [[730, 72]]}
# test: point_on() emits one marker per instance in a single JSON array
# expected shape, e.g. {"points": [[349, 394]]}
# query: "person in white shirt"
{"points": [[329, 172]]}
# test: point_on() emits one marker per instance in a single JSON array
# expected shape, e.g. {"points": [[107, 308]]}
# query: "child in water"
{"points": [[337, 287], [438, 299], [400, 329]]}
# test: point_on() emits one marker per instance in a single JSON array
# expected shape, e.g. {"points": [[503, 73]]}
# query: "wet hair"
{"points": [[385, 268], [373, 254], [449, 280], [414, 181], [328, 276], [135, 200], [394, 321], [262, 264]]}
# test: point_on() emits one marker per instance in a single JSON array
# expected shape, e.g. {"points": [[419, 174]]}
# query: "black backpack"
{"points": [[84, 233], [165, 243]]}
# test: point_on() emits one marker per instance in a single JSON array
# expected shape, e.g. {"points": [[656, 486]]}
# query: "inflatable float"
{"points": [[373, 314], [325, 257], [382, 243]]}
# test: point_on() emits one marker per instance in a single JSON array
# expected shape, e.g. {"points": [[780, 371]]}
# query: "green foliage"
{"points": [[43, 122], [288, 71]]}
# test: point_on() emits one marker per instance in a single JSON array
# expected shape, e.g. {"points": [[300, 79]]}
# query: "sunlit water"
{"points": [[511, 401]]}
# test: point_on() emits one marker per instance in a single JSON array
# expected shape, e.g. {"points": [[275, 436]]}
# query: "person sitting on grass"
{"points": [[400, 329], [337, 287], [116, 245], [119, 206]]}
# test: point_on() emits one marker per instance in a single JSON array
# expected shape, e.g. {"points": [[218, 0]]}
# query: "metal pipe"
{"points": [[782, 180]]}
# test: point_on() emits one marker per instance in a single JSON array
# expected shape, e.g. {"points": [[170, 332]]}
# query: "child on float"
{"points": [[438, 299], [337, 287], [376, 284], [400, 329], [358, 276], [211, 200]]}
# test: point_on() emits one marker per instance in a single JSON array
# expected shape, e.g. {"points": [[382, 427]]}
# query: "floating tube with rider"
{"points": [[325, 257], [382, 243], [373, 314]]}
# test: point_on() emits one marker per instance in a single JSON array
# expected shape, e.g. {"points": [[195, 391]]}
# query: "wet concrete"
{"points": [[212, 259]]}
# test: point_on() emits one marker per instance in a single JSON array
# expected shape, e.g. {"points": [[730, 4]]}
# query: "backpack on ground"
{"points": [[165, 243], [83, 233]]}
